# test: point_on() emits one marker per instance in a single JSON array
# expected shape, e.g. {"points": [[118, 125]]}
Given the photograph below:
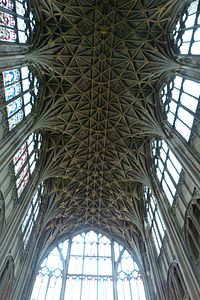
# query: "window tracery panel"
{"points": [[154, 218], [18, 92], [31, 216], [168, 168], [192, 229], [186, 33], [16, 21], [180, 99], [25, 161], [88, 266]]}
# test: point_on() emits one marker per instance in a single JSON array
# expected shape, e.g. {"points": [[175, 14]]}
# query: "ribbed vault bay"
{"points": [[102, 62]]}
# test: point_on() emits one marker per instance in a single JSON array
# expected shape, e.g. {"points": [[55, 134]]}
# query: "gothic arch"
{"points": [[175, 283], [89, 259], [6, 278]]}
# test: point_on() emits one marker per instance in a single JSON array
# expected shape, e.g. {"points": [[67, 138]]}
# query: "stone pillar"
{"points": [[154, 271], [177, 243], [9, 236], [188, 158], [12, 141]]}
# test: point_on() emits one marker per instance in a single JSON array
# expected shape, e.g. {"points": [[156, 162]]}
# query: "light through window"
{"points": [[18, 94], [187, 30], [31, 216], [88, 266], [25, 160], [154, 218], [16, 21], [180, 98], [168, 168]]}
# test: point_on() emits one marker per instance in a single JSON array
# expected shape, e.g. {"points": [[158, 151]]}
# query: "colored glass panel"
{"points": [[19, 18], [14, 106], [11, 76], [22, 175], [8, 4], [18, 94], [19, 153], [20, 162], [12, 91], [7, 19], [7, 35], [25, 161], [14, 120]]}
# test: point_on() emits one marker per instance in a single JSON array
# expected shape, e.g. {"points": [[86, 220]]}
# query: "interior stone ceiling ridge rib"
{"points": [[101, 62]]}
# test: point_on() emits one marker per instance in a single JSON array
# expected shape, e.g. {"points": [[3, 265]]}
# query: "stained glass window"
{"points": [[18, 91], [25, 160], [16, 21], [154, 218], [186, 33], [168, 168], [31, 216], [180, 98], [88, 266]]}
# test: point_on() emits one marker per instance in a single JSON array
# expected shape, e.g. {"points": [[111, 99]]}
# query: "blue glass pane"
{"points": [[14, 120], [12, 91], [11, 76], [14, 106]]}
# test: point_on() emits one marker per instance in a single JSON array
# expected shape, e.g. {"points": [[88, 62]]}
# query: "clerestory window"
{"points": [[19, 90], [180, 99], [25, 161], [168, 168], [16, 21], [31, 216], [88, 266], [154, 218], [186, 33]]}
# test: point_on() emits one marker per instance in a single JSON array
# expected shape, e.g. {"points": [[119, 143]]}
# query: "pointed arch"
{"points": [[7, 278], [89, 265]]}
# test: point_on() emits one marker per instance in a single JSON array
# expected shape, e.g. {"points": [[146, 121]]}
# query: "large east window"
{"points": [[16, 21], [186, 33], [88, 266], [25, 161]]}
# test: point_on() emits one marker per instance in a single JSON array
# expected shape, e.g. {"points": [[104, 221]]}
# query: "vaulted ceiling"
{"points": [[102, 63]]}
